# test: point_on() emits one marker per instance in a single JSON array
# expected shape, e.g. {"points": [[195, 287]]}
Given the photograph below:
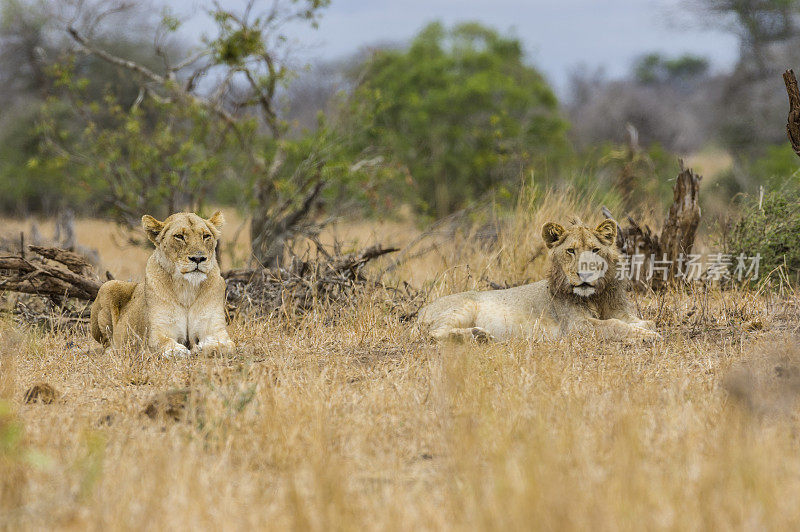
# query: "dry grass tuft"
{"points": [[40, 393], [168, 405], [13, 473]]}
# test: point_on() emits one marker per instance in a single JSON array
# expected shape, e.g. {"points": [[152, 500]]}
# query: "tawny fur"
{"points": [[552, 308], [180, 306]]}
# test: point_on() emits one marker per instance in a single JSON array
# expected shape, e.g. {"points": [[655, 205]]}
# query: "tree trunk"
{"points": [[271, 231], [793, 122]]}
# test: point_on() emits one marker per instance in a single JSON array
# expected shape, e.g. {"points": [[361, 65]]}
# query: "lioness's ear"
{"points": [[152, 227], [217, 220], [552, 233], [607, 232]]}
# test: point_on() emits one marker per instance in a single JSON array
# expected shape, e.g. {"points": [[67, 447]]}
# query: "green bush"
{"points": [[773, 230]]}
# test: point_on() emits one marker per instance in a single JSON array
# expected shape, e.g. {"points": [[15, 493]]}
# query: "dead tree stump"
{"points": [[680, 228], [677, 236]]}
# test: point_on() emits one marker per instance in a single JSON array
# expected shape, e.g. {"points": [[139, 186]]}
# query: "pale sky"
{"points": [[558, 35]]}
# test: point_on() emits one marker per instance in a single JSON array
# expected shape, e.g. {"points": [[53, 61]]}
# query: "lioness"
{"points": [[180, 304], [571, 299]]}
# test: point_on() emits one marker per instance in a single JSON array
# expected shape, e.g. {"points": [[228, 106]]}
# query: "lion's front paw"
{"points": [[215, 345], [176, 351], [481, 335], [645, 324], [646, 333]]}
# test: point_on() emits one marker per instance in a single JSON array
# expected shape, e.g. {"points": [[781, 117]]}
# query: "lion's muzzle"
{"points": [[584, 289]]}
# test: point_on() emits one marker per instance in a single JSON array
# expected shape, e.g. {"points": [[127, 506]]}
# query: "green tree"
{"points": [[461, 110], [125, 160], [33, 47], [195, 109], [758, 23], [654, 68]]}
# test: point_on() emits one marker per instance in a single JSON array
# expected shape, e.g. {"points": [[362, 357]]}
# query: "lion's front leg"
{"points": [[647, 324], [209, 330], [630, 319], [625, 315], [169, 348], [616, 329], [167, 331]]}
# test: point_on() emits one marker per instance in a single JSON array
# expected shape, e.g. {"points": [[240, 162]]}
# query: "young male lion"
{"points": [[581, 294], [180, 304]]}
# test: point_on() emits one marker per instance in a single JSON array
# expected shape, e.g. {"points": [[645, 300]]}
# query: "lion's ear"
{"points": [[152, 227], [552, 233], [217, 220], [607, 232]]}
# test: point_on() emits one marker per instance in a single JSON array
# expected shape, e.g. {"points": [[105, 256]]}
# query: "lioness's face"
{"points": [[583, 259], [185, 243]]}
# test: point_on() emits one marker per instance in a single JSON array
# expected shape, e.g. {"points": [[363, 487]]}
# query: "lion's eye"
{"points": [[596, 250], [571, 251], [180, 237], [206, 236]]}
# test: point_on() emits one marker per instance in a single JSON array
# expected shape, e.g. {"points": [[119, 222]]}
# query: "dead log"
{"points": [[635, 238], [793, 121], [75, 262], [32, 276], [51, 272]]}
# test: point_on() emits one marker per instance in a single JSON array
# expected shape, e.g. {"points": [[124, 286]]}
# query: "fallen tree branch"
{"points": [[302, 283], [56, 273]]}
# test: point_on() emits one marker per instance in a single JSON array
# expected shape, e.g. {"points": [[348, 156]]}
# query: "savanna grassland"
{"points": [[347, 417]]}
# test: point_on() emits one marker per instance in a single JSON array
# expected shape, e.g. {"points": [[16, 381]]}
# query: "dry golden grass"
{"points": [[347, 418]]}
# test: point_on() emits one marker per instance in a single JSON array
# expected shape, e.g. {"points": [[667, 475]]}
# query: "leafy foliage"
{"points": [[461, 110], [37, 72], [149, 157]]}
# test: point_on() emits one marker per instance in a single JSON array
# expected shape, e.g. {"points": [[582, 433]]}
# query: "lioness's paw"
{"points": [[176, 351], [213, 344], [481, 335]]}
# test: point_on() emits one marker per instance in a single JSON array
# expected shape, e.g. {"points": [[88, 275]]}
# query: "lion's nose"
{"points": [[197, 259]]}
